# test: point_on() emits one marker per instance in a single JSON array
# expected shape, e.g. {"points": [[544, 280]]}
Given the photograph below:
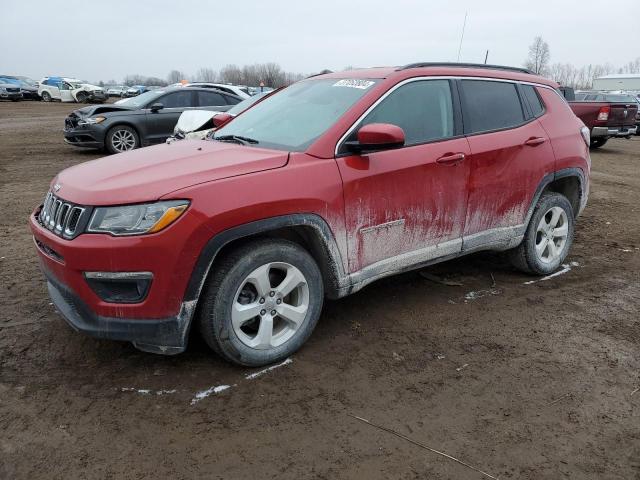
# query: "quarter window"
{"points": [[491, 105], [532, 97], [423, 109]]}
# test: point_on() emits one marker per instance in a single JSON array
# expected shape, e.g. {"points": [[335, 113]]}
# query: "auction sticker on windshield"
{"points": [[354, 83]]}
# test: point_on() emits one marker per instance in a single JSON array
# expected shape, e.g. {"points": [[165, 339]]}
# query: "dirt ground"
{"points": [[522, 381]]}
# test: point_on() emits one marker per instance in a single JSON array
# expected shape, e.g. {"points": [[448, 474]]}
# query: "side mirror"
{"points": [[377, 136], [156, 107], [221, 119]]}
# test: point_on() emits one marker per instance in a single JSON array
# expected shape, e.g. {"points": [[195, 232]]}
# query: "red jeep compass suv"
{"points": [[328, 185]]}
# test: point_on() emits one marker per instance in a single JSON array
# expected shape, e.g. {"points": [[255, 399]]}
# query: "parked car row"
{"points": [[315, 191], [67, 89], [18, 88]]}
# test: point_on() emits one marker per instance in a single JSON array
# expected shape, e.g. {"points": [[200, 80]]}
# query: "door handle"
{"points": [[533, 141], [451, 159]]}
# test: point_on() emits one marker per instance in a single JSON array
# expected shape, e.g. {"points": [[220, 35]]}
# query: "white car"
{"points": [[239, 90], [116, 91], [69, 90]]}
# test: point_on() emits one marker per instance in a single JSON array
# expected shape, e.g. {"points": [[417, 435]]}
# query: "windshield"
{"points": [[295, 117], [238, 108], [142, 99]]}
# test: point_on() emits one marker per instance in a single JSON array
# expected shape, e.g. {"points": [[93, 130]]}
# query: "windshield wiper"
{"points": [[236, 138]]}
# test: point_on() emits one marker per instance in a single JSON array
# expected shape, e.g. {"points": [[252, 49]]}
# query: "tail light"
{"points": [[586, 135], [603, 114]]}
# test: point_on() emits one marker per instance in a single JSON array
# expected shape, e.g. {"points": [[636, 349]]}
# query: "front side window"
{"points": [[295, 117], [491, 105], [423, 109]]}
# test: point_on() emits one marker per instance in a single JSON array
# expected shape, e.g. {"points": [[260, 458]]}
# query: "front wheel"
{"points": [[262, 302], [121, 138], [598, 142], [548, 237], [46, 97]]}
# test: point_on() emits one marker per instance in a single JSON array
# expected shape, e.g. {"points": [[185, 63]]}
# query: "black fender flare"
{"points": [[334, 268], [550, 178]]}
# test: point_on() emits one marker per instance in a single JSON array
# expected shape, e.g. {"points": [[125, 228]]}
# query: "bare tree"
{"points": [[231, 74], [539, 56], [175, 76], [206, 75]]}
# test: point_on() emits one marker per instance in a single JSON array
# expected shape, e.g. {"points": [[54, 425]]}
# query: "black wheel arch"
{"points": [[309, 230], [570, 182]]}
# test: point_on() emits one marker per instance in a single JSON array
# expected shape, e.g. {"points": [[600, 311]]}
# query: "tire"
{"points": [[236, 282], [535, 254], [46, 97], [121, 138], [598, 142], [81, 97]]}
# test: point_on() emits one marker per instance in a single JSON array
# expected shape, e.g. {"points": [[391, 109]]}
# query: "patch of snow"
{"points": [[146, 391], [565, 268], [482, 293], [209, 391], [268, 369]]}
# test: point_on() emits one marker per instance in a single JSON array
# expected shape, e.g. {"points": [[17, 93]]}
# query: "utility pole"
{"points": [[464, 24]]}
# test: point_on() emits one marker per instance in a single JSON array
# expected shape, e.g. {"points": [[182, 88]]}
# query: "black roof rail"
{"points": [[465, 65]]}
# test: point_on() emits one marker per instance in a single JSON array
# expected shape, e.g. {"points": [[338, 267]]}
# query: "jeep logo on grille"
{"points": [[57, 187]]}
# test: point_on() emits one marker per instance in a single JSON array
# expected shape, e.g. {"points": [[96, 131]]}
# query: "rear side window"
{"points": [[210, 99], [177, 100], [423, 109], [537, 108], [231, 100], [491, 106]]}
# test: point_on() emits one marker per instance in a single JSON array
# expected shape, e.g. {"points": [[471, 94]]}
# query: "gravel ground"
{"points": [[521, 380]]}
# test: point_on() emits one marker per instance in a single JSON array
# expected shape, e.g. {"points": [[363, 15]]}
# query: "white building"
{"points": [[618, 81]]}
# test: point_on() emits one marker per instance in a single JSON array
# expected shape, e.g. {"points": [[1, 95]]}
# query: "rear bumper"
{"points": [[613, 131], [165, 336]]}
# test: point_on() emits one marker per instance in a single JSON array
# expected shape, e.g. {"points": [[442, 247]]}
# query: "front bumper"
{"points": [[157, 323], [166, 336], [613, 131], [11, 95], [87, 137]]}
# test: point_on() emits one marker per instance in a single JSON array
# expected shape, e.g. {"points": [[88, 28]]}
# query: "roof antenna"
{"points": [[486, 57], [464, 24]]}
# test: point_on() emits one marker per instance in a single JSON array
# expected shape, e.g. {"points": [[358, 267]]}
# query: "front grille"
{"points": [[62, 218], [13, 90], [71, 122]]}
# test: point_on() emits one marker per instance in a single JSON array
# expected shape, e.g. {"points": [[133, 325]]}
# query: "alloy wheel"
{"points": [[123, 140], [270, 305], [551, 235]]}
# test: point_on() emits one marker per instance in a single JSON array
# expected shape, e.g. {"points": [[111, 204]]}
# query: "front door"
{"points": [[161, 123], [407, 205]]}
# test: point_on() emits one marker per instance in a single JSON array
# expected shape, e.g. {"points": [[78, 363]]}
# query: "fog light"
{"points": [[120, 287]]}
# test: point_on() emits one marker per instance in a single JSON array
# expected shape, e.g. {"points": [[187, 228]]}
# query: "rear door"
{"points": [[407, 205], [510, 155], [161, 123], [212, 100]]}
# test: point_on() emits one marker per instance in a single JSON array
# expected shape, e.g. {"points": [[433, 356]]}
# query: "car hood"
{"points": [[149, 173], [85, 112]]}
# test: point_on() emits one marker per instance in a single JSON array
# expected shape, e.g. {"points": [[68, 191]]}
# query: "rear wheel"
{"points": [[261, 303], [598, 142], [46, 97], [548, 237], [121, 138]]}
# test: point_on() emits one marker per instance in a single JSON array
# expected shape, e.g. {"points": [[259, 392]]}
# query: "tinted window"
{"points": [[534, 100], [208, 99], [177, 100], [491, 105], [423, 109], [231, 100]]}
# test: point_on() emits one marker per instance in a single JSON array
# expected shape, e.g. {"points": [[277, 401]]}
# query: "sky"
{"points": [[107, 40]]}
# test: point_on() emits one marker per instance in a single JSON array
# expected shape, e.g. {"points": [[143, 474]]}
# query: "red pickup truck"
{"points": [[606, 115]]}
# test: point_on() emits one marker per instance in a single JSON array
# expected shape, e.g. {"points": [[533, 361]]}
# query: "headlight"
{"points": [[136, 219], [2, 89], [91, 120]]}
